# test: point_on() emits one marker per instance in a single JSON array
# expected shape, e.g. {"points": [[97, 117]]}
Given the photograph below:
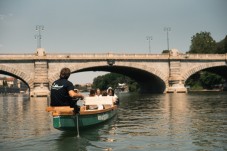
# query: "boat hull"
{"points": [[69, 122]]}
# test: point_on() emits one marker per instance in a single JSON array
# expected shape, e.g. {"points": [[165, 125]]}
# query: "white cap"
{"points": [[109, 88]]}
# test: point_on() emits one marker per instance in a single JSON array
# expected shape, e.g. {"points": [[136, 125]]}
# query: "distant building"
{"points": [[122, 87], [83, 88], [12, 85]]}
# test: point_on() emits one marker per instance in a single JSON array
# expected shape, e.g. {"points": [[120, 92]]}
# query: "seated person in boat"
{"points": [[98, 92], [62, 90], [104, 93], [76, 90], [110, 92], [92, 94]]}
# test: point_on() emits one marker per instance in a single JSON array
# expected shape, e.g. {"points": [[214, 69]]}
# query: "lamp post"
{"points": [[149, 38], [167, 29], [39, 28]]}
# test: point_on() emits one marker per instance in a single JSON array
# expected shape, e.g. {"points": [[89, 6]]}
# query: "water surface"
{"points": [[193, 121]]}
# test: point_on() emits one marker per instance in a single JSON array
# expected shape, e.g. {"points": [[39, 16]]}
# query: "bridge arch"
{"points": [[18, 74], [215, 66], [149, 78]]}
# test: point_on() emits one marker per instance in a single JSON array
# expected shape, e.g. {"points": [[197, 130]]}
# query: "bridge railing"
{"points": [[109, 55], [203, 56], [16, 54], [52, 56]]}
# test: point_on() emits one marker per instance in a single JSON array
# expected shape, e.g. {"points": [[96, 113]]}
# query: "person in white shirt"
{"points": [[110, 92], [98, 93]]}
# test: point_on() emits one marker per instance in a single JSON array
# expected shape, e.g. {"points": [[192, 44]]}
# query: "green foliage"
{"points": [[209, 80], [82, 88], [194, 82], [204, 80], [112, 80], [203, 43], [197, 86], [133, 86], [165, 51], [222, 46]]}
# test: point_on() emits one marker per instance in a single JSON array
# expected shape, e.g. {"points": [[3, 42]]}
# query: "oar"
{"points": [[76, 111], [77, 125]]}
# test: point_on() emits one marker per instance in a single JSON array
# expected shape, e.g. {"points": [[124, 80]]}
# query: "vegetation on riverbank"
{"points": [[203, 43], [112, 80]]}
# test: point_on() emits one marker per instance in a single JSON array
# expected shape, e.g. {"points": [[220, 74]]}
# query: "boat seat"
{"points": [[102, 102], [60, 110]]}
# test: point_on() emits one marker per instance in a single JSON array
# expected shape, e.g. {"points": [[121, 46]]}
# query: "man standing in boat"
{"points": [[62, 90]]}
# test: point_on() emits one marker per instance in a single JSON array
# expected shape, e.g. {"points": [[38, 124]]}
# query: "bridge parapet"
{"points": [[40, 68], [125, 56], [80, 56], [201, 56], [107, 56]]}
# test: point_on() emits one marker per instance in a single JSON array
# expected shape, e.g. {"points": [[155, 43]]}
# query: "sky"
{"points": [[102, 26]]}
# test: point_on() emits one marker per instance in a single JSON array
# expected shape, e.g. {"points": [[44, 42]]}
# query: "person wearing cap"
{"points": [[110, 92], [62, 90]]}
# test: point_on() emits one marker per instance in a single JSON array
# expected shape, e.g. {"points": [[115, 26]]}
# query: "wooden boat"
{"points": [[65, 119]]}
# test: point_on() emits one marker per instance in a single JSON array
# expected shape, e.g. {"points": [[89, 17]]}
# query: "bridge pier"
{"points": [[40, 90], [176, 82], [41, 82], [176, 86]]}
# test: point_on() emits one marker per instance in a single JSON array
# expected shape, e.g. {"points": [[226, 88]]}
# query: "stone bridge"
{"points": [[158, 73]]}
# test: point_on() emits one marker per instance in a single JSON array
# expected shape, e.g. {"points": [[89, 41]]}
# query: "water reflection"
{"points": [[177, 119], [94, 138], [17, 113], [209, 120], [195, 121]]}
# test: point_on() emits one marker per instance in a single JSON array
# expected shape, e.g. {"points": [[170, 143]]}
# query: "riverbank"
{"points": [[206, 90]]}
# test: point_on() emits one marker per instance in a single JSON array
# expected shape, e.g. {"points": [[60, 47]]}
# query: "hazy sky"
{"points": [[101, 26]]}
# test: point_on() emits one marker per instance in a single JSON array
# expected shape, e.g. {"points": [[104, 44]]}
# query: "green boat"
{"points": [[95, 110]]}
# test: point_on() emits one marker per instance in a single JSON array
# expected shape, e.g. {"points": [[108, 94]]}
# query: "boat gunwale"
{"points": [[67, 110], [88, 112]]}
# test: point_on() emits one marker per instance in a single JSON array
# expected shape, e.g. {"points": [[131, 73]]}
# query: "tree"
{"points": [[203, 43], [225, 44], [194, 82], [209, 80], [112, 80], [222, 46], [204, 80], [165, 51]]}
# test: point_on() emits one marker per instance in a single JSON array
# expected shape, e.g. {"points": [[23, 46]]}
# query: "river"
{"points": [[144, 122]]}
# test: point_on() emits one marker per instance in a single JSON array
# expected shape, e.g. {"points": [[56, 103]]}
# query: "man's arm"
{"points": [[75, 95]]}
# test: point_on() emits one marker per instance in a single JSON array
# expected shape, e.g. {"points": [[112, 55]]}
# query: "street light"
{"points": [[167, 29], [39, 28], [149, 38]]}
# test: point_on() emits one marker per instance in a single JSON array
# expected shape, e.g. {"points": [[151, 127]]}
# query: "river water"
{"points": [[145, 122]]}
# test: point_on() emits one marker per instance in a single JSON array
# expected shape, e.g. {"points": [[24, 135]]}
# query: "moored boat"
{"points": [[94, 111]]}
